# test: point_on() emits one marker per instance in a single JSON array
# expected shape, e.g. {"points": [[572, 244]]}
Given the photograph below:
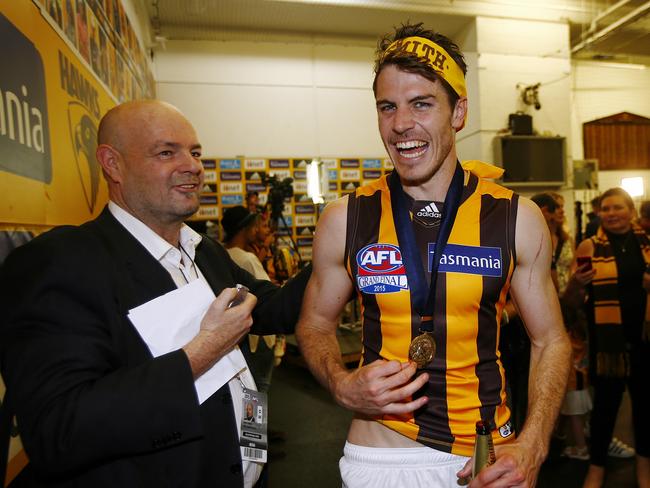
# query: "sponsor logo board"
{"points": [[371, 163], [255, 164], [230, 163], [230, 176], [232, 199], [210, 176], [350, 174], [349, 163], [231, 188]]}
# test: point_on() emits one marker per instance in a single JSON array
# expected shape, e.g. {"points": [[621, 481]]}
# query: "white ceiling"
{"points": [[615, 30]]}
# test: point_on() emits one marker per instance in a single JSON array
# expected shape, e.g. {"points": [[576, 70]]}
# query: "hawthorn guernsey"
{"points": [[381, 269]]}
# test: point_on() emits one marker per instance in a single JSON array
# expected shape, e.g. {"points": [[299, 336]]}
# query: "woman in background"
{"points": [[618, 331]]}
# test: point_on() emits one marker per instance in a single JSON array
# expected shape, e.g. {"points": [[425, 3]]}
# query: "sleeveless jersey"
{"points": [[466, 377]]}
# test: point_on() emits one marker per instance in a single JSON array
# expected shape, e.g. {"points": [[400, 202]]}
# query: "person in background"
{"points": [[241, 230], [415, 416], [552, 207], [253, 202], [264, 243], [593, 219], [644, 216], [619, 330], [94, 406], [570, 283]]}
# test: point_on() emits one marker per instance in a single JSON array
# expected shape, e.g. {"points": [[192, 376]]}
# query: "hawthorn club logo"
{"points": [[83, 134], [83, 117]]}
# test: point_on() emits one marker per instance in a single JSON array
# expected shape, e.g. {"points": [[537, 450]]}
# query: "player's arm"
{"points": [[550, 349], [380, 387], [532, 288]]}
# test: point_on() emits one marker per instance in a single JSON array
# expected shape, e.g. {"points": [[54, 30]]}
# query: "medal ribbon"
{"points": [[423, 296]]}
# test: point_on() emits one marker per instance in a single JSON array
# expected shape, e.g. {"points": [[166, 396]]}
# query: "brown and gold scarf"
{"points": [[612, 358]]}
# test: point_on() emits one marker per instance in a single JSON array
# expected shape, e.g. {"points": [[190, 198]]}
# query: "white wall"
{"points": [[273, 99], [278, 99], [514, 52]]}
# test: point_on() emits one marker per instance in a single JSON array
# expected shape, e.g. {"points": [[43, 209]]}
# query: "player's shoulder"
{"points": [[496, 190], [335, 213], [528, 210]]}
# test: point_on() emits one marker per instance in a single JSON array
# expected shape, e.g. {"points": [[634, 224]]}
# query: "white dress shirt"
{"points": [[180, 265]]}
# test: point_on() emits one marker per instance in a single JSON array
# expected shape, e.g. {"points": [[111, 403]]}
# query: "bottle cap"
{"points": [[483, 427]]}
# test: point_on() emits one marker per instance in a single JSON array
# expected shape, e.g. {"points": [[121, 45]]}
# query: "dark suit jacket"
{"points": [[93, 407]]}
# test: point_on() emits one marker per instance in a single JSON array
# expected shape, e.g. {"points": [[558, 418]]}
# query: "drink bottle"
{"points": [[483, 448]]}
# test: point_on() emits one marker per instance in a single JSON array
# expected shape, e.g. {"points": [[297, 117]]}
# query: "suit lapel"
{"points": [[209, 266], [140, 276]]}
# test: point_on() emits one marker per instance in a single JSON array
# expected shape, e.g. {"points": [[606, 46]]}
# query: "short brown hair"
{"points": [[410, 62]]}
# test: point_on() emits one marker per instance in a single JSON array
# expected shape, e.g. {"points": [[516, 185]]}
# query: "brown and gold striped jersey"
{"points": [[466, 377]]}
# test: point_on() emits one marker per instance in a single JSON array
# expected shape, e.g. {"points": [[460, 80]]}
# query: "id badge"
{"points": [[253, 439]]}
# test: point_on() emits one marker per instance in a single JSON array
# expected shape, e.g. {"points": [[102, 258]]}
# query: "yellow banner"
{"points": [[50, 107], [17, 457]]}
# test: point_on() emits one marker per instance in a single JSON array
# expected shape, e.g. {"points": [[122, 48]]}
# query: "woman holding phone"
{"points": [[617, 310]]}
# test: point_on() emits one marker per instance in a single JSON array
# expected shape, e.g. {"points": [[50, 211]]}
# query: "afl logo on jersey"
{"points": [[380, 269]]}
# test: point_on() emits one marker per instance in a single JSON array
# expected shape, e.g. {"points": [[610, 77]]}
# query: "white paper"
{"points": [[170, 321]]}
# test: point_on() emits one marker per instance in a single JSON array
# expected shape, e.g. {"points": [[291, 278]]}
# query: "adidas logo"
{"points": [[431, 210]]}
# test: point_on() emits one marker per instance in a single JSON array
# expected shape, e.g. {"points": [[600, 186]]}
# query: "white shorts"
{"points": [[418, 467]]}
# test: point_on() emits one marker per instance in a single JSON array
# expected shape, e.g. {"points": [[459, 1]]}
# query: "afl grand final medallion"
{"points": [[422, 349]]}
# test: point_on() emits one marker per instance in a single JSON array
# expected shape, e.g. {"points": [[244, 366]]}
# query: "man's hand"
{"points": [[381, 387], [516, 466], [222, 328], [228, 325]]}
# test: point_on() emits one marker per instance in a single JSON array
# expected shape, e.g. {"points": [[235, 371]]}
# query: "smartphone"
{"points": [[582, 260], [242, 291]]}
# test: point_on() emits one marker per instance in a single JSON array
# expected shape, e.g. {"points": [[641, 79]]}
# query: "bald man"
{"points": [[94, 407]]}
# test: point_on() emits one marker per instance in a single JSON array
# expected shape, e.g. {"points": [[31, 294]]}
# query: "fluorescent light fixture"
{"points": [[314, 181], [633, 185], [625, 66], [610, 64]]}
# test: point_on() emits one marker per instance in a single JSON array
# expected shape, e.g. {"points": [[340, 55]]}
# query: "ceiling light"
{"points": [[633, 185]]}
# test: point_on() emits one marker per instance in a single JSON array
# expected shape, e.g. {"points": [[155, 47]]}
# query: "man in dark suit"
{"points": [[93, 406]]}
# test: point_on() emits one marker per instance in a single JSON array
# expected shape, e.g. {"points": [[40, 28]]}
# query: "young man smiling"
{"points": [[388, 242]]}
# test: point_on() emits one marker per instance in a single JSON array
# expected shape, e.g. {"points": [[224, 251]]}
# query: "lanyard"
{"points": [[423, 295]]}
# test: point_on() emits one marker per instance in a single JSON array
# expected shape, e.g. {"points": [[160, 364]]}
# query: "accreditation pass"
{"points": [[253, 439]]}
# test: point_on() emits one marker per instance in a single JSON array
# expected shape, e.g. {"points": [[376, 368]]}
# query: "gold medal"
{"points": [[422, 349]]}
